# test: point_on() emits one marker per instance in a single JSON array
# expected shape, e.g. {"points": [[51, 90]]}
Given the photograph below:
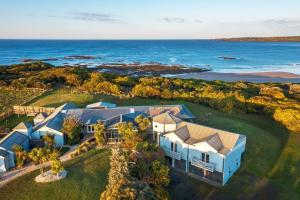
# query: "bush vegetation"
{"points": [[277, 101]]}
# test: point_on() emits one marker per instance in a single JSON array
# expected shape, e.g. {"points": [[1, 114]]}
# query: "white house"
{"points": [[209, 154]]}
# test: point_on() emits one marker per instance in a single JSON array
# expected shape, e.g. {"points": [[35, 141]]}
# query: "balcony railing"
{"points": [[199, 163], [173, 154]]}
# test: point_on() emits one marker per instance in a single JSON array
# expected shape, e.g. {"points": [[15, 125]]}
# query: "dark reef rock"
{"points": [[27, 60], [227, 58], [79, 57], [148, 69]]}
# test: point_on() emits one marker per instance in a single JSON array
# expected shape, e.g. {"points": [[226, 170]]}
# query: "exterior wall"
{"points": [[233, 161], [165, 143], [26, 145], [161, 128], [58, 136], [2, 164], [197, 150], [11, 159]]}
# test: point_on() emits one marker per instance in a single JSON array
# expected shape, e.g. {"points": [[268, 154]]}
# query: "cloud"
{"points": [[179, 20], [198, 21], [173, 20], [282, 22], [94, 17]]}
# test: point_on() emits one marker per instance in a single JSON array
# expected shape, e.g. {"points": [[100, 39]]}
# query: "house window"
{"points": [[203, 157], [90, 129], [172, 146], [175, 149], [155, 126], [207, 158]]}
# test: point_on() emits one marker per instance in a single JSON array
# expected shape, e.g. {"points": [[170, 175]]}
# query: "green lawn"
{"points": [[86, 179], [14, 120], [271, 169]]}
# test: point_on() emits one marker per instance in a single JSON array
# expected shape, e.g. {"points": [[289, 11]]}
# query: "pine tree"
{"points": [[118, 168]]}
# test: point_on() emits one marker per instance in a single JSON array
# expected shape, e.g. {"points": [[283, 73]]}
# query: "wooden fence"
{"points": [[22, 110], [26, 110]]}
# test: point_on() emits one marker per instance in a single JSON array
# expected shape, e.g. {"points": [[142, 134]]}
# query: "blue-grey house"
{"points": [[19, 136]]}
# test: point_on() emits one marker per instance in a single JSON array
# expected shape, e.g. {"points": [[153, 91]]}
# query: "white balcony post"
{"points": [[187, 160]]}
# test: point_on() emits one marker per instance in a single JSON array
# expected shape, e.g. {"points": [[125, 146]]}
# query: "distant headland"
{"points": [[263, 39]]}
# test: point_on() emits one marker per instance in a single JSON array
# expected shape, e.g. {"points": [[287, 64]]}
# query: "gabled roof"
{"points": [[183, 133], [22, 126], [101, 104], [40, 116], [215, 142], [166, 118], [13, 138], [221, 141]]}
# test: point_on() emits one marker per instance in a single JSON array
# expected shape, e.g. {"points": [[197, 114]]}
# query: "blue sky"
{"points": [[147, 19]]}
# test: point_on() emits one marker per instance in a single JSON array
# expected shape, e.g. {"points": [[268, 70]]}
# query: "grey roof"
{"points": [[92, 116], [3, 153], [22, 126], [13, 138], [55, 119], [180, 110], [101, 104], [88, 116]]}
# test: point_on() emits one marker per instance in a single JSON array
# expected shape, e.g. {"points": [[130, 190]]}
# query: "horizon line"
{"points": [[213, 38]]}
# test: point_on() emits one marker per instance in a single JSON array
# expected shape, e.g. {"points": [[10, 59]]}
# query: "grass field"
{"points": [[271, 169], [86, 179]]}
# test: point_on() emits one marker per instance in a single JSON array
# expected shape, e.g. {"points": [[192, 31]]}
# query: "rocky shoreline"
{"points": [[149, 69]]}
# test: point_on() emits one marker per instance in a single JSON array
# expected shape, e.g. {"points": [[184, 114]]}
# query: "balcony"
{"points": [[199, 163], [173, 154]]}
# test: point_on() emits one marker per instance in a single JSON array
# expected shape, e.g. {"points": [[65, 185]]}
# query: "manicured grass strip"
{"points": [[14, 120]]}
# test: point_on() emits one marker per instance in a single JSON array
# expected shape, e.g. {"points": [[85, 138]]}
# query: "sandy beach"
{"points": [[259, 77]]}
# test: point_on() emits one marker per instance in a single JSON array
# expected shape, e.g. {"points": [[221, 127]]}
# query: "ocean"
{"points": [[218, 56]]}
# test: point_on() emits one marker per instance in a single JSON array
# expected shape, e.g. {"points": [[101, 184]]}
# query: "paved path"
{"points": [[14, 174]]}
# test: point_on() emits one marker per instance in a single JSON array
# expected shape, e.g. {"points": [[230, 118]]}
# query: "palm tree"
{"points": [[39, 156], [17, 149]]}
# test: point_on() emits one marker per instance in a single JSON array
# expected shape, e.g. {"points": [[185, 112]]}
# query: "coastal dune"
{"points": [[258, 77]]}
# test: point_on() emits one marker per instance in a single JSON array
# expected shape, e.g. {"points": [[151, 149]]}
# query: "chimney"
{"points": [[131, 110]]}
